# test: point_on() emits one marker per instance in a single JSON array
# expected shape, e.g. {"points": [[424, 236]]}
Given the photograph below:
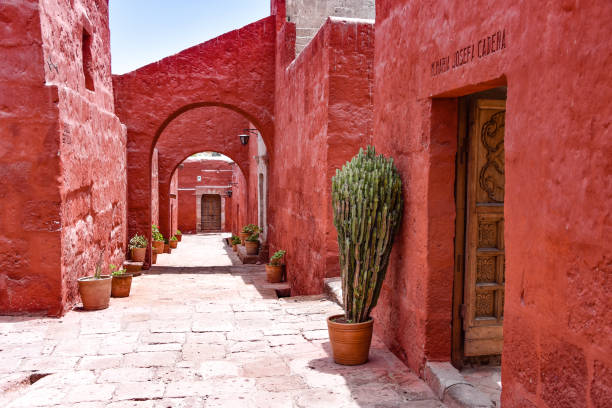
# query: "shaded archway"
{"points": [[235, 71]]}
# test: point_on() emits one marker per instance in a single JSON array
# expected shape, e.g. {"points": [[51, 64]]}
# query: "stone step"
{"points": [[244, 258]]}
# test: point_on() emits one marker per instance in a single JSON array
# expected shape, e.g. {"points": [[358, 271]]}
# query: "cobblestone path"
{"points": [[214, 336]]}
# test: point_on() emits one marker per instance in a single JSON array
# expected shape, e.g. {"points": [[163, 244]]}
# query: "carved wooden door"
{"points": [[483, 310], [211, 212]]}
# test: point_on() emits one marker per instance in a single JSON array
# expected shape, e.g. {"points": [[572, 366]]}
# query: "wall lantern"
{"points": [[229, 193], [244, 138]]}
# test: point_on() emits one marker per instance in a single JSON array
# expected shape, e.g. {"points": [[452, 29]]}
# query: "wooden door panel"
{"points": [[484, 247], [211, 212]]}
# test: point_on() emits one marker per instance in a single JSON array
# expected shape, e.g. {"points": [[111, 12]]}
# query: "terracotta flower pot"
{"points": [[159, 245], [138, 254], [350, 341], [243, 236], [95, 293], [154, 257], [274, 273], [173, 244], [235, 247], [121, 285], [252, 247], [167, 249], [179, 237]]}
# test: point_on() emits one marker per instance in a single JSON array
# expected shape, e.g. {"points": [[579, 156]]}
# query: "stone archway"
{"points": [[235, 71], [201, 129]]}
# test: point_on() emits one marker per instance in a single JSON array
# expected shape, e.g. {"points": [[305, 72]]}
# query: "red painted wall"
{"points": [[239, 202], [557, 328], [155, 187], [323, 115], [74, 207]]}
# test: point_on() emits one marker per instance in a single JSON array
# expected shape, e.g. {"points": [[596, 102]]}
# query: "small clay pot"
{"points": [[173, 244], [243, 236], [167, 249], [95, 293], [350, 341], [154, 257], [133, 268], [235, 247], [179, 237], [138, 254], [274, 273], [121, 285], [159, 245], [252, 247]]}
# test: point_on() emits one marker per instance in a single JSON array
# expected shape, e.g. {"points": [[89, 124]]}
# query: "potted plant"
{"points": [[252, 244], [158, 239], [274, 270], [179, 235], [95, 290], [173, 242], [154, 252], [138, 247], [247, 231], [167, 248], [367, 205], [121, 283], [235, 242]]}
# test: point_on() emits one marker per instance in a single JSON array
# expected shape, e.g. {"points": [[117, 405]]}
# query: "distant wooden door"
{"points": [[211, 212], [484, 280]]}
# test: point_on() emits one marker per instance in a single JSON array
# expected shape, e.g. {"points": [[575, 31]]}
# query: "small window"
{"points": [[87, 61], [199, 178]]}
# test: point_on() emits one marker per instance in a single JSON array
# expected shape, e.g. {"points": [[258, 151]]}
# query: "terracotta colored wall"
{"points": [[235, 70], [558, 145], [155, 187], [213, 173], [174, 201], [30, 202], [84, 203], [239, 201], [315, 93]]}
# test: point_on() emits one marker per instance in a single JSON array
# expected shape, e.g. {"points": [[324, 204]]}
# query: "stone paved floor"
{"points": [[212, 336]]}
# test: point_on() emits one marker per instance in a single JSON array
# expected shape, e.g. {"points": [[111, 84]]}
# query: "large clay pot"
{"points": [[138, 254], [154, 257], [95, 293], [252, 247], [274, 273], [235, 247], [159, 245], [350, 341], [133, 268], [121, 285], [179, 237], [173, 244], [243, 236], [167, 249]]}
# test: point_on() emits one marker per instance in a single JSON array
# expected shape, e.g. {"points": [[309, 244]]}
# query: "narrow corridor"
{"points": [[196, 336]]}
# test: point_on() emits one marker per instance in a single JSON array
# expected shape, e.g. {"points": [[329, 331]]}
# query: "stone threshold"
{"points": [[446, 382]]}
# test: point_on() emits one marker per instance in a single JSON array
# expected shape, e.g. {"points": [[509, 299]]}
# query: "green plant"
{"points": [[98, 273], [251, 229], [275, 259], [178, 232], [157, 236], [173, 238], [116, 271], [235, 240], [138, 241], [254, 237], [367, 204], [166, 241]]}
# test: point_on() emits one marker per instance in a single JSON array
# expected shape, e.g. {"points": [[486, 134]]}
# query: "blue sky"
{"points": [[145, 31]]}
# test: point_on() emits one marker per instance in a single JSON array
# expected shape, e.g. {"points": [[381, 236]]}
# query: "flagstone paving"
{"points": [[213, 336]]}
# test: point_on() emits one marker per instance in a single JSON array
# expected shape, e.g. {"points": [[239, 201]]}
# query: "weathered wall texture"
{"points": [[79, 214], [201, 129], [317, 89], [235, 70], [310, 15], [240, 201], [214, 174], [558, 149], [155, 187]]}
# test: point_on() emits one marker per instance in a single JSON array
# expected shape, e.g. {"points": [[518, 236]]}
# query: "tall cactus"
{"points": [[367, 204]]}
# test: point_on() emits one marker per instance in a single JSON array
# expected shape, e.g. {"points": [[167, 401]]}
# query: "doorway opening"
{"points": [[210, 213], [479, 279]]}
